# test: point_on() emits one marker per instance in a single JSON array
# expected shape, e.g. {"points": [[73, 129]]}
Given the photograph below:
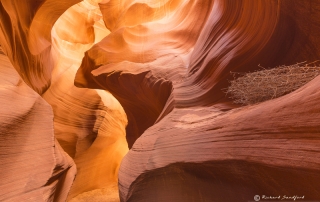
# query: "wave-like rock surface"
{"points": [[271, 149], [89, 124], [193, 126], [26, 37], [146, 51], [33, 165], [167, 63]]}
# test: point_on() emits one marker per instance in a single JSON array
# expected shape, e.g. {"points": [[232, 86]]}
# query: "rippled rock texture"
{"points": [[149, 75], [34, 167], [202, 147], [89, 124]]}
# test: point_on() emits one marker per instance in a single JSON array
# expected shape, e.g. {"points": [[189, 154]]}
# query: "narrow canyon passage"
{"points": [[89, 124], [124, 100]]}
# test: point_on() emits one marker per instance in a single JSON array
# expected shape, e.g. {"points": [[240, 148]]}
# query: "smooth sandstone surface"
{"points": [[146, 49], [198, 128], [89, 124], [149, 75], [33, 165], [267, 148], [26, 37]]}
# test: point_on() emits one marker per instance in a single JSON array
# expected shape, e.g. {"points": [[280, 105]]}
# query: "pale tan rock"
{"points": [[99, 195]]}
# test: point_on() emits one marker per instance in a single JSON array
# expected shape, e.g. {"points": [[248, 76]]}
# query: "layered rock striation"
{"points": [[88, 124], [199, 128], [166, 62], [34, 167]]}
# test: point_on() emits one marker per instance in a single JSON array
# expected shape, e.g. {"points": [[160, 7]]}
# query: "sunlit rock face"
{"points": [[89, 124], [146, 52], [166, 62], [26, 38]]}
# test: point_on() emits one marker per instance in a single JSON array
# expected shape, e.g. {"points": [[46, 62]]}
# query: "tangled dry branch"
{"points": [[268, 84]]}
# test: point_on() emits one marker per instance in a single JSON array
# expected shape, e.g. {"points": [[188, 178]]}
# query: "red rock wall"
{"points": [[280, 134], [167, 63], [33, 165], [193, 126]]}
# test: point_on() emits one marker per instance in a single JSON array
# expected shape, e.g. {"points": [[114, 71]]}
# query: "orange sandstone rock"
{"points": [[33, 165]]}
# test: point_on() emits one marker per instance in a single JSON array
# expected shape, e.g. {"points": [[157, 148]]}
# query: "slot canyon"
{"points": [[125, 101]]}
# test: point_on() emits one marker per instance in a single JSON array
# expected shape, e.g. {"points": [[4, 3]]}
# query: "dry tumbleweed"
{"points": [[268, 84]]}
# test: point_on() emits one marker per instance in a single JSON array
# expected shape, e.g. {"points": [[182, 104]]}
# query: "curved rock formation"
{"points": [[89, 124], [193, 126], [257, 144], [167, 63], [26, 37], [137, 69], [33, 165]]}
